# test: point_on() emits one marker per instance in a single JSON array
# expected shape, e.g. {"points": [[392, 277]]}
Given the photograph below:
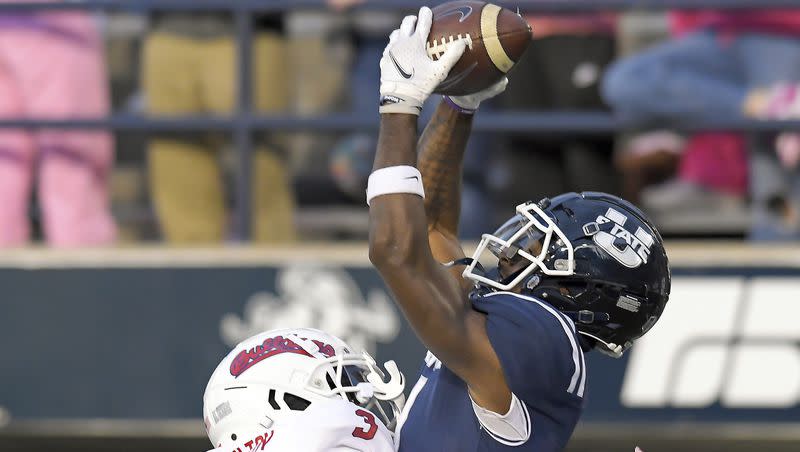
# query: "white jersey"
{"points": [[332, 425]]}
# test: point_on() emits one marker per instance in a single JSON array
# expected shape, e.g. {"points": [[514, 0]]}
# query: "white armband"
{"points": [[394, 179], [512, 428]]}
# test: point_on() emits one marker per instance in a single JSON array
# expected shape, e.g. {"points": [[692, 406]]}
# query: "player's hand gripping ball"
{"points": [[408, 74], [496, 38]]}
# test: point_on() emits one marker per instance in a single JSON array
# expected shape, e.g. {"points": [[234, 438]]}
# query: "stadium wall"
{"points": [[111, 349]]}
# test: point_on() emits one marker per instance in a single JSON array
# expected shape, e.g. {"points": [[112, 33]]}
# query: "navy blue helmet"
{"points": [[594, 256]]}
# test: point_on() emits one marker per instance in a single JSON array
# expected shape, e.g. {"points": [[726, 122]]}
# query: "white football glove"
{"points": [[470, 102], [408, 74]]}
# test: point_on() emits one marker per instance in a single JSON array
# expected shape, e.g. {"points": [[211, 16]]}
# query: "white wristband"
{"points": [[395, 179]]}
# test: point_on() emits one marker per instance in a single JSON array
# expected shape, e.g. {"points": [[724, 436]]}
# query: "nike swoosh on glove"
{"points": [[408, 74]]}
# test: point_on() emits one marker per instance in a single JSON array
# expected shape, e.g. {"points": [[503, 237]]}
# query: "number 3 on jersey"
{"points": [[369, 419]]}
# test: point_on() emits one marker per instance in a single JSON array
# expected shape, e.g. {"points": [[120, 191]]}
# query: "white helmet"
{"points": [[277, 374]]}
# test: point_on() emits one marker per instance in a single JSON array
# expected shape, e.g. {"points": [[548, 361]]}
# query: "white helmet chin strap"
{"points": [[608, 348], [612, 350], [365, 391]]}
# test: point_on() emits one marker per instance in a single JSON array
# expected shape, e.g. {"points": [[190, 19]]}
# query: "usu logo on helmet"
{"points": [[630, 250]]}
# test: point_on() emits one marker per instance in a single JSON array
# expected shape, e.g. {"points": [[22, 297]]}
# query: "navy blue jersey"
{"points": [[543, 365]]}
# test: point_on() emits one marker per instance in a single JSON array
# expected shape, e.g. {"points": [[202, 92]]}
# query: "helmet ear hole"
{"points": [[233, 436], [295, 403], [271, 399]]}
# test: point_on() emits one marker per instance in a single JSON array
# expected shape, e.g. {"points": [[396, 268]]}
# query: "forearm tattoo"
{"points": [[441, 157]]}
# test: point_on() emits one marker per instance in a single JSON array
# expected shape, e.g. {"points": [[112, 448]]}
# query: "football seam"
{"points": [[440, 49], [471, 40]]}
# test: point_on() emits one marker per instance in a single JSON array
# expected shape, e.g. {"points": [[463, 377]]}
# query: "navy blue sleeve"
{"points": [[537, 347]]}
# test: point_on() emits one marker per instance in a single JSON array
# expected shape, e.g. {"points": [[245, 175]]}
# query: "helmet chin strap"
{"points": [[612, 350], [365, 391], [584, 317], [588, 317], [608, 348], [465, 261]]}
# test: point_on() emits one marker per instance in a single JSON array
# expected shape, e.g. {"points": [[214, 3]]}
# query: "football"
{"points": [[496, 38]]}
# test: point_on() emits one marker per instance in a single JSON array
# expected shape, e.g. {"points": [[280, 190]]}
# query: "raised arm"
{"points": [[441, 156], [430, 297]]}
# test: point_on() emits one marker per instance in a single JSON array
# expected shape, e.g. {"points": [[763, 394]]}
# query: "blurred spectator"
{"points": [[719, 58], [352, 157], [51, 66], [708, 175], [189, 67], [651, 157], [319, 56], [782, 101], [560, 71], [719, 67], [711, 167], [371, 29]]}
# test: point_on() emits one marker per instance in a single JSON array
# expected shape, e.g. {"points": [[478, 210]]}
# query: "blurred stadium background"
{"points": [[177, 175]]}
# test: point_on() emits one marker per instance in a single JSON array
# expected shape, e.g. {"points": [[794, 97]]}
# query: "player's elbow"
{"points": [[392, 250], [378, 252]]}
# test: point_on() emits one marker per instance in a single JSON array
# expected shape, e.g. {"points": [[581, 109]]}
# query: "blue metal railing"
{"points": [[243, 122], [537, 122]]}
